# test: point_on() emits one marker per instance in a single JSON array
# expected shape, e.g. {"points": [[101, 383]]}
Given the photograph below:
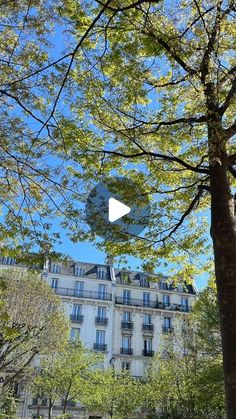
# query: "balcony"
{"points": [[77, 318], [169, 329], [126, 351], [127, 325], [147, 327], [152, 304], [71, 292], [102, 347], [39, 401], [174, 307], [101, 321], [70, 403], [148, 352]]}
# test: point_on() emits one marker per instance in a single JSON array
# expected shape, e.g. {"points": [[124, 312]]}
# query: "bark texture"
{"points": [[223, 231]]}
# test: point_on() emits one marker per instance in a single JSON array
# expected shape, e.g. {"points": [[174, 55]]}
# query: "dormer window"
{"points": [[125, 278], [163, 285], [144, 282], [101, 273], [55, 268], [79, 271]]}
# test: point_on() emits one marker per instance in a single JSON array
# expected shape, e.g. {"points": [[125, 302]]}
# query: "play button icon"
{"points": [[117, 209]]}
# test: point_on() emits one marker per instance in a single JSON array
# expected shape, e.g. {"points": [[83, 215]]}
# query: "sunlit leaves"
{"points": [[32, 320]]}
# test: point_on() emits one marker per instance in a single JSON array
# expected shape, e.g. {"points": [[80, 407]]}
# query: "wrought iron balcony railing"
{"points": [[70, 292], [166, 329], [126, 351], [100, 347], [152, 304], [147, 352], [102, 321], [127, 325], [148, 327], [77, 318]]}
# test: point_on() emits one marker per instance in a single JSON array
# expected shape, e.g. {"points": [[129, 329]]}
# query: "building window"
{"points": [[167, 321], [163, 285], [79, 288], [144, 282], [146, 299], [126, 366], [167, 324], [166, 300], [102, 311], [147, 350], [102, 291], [126, 296], [101, 274], [79, 271], [126, 342], [180, 288], [184, 303], [77, 310], [100, 337], [54, 283], [74, 333], [55, 268], [147, 319], [127, 316], [147, 345], [6, 260]]}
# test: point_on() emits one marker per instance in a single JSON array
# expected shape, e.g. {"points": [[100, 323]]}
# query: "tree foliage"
{"points": [[8, 406], [32, 322], [188, 380], [149, 118], [114, 394], [35, 186], [66, 376]]}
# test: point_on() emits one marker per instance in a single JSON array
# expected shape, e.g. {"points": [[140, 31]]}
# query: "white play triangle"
{"points": [[117, 209]]}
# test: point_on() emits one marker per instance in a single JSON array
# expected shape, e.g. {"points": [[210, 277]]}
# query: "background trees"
{"points": [[66, 376], [186, 380], [75, 376], [115, 395], [32, 322]]}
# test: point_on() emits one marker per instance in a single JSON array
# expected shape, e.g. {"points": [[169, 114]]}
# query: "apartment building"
{"points": [[123, 314]]}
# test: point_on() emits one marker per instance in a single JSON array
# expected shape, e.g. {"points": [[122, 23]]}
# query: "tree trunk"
{"points": [[64, 407], [50, 406], [65, 401], [223, 232]]}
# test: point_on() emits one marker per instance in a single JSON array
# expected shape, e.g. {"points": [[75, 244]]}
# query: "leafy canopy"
{"points": [[32, 322], [131, 96]]}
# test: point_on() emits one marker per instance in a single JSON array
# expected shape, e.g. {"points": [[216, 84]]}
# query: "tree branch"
{"points": [[231, 131], [229, 98], [187, 212], [130, 6], [172, 52], [187, 166], [232, 159]]}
